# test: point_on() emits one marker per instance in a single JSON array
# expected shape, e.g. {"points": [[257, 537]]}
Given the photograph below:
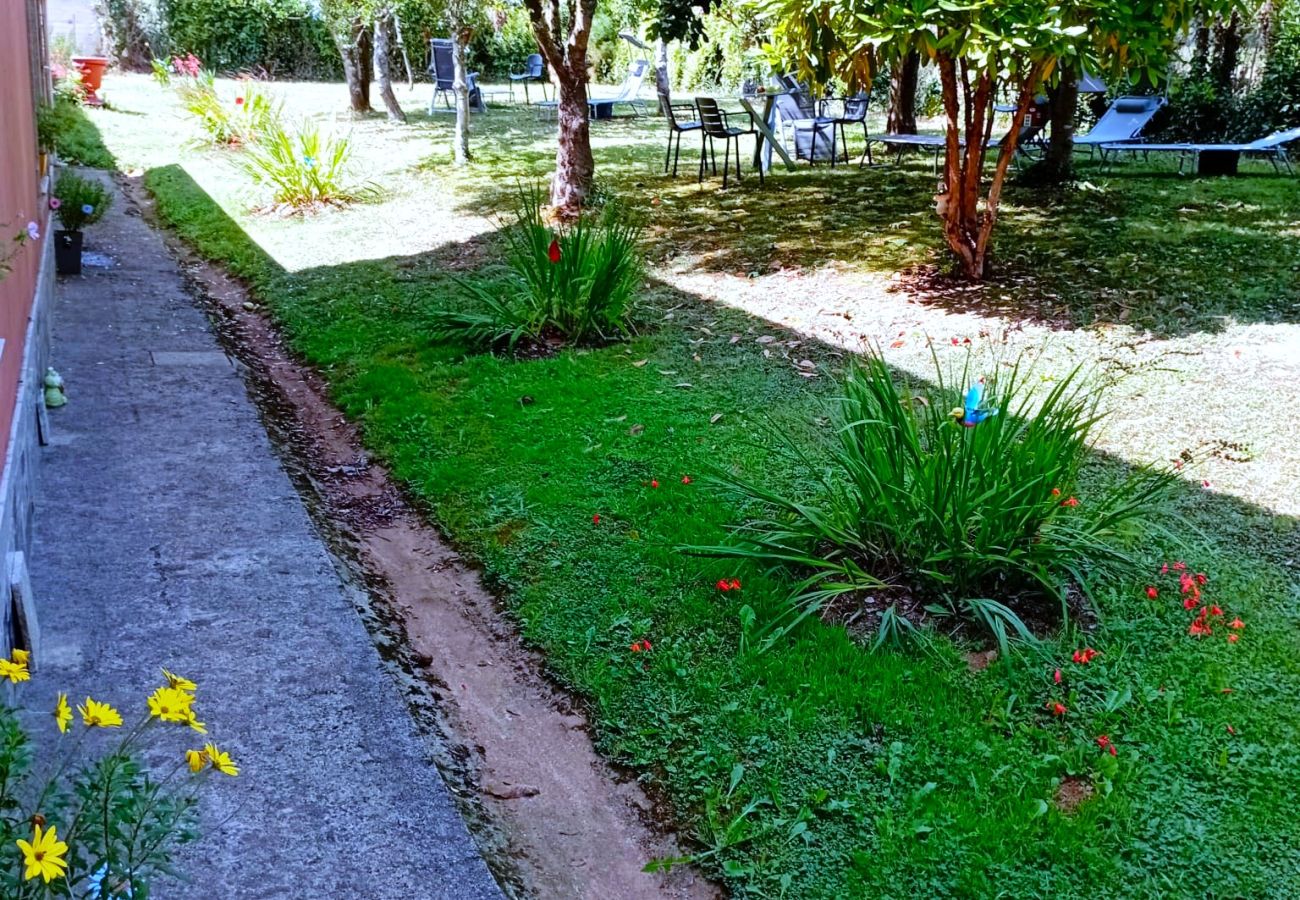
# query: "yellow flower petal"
{"points": [[99, 715], [63, 713], [221, 761], [196, 760], [179, 683]]}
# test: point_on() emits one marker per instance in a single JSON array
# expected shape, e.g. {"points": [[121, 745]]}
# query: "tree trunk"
{"points": [[1225, 62], [567, 57], [366, 58], [902, 95], [1058, 162], [383, 19], [460, 86], [354, 71], [663, 86], [967, 228], [574, 165]]}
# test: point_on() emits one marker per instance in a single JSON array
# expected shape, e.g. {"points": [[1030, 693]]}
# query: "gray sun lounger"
{"points": [[603, 107], [1219, 159], [1124, 121]]}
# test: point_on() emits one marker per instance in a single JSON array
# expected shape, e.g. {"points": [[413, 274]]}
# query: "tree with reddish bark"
{"points": [[977, 48], [565, 51]]}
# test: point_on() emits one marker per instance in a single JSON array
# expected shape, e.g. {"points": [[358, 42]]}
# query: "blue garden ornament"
{"points": [[969, 414]]}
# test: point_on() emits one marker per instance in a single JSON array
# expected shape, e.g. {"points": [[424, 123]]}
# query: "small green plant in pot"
{"points": [[913, 510], [77, 202], [569, 285]]}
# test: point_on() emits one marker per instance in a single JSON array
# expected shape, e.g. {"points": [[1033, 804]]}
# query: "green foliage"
{"points": [[501, 44], [1274, 104], [304, 168], [237, 121], [587, 293], [81, 201], [973, 519], [62, 128]]}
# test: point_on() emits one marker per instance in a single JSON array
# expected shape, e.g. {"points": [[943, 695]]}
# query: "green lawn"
{"points": [[817, 769]]}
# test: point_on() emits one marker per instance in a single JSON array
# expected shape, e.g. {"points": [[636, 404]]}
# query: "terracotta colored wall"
{"points": [[19, 200]]}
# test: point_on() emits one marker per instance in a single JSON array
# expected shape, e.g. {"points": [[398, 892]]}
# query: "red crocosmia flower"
{"points": [[723, 585], [654, 482], [1056, 709], [686, 479], [1231, 730], [1056, 492], [595, 520], [1084, 656], [645, 645], [955, 342], [1152, 592], [1105, 743], [1070, 502], [1237, 623], [1233, 638], [1180, 566], [735, 584], [1205, 484], [1191, 603], [1215, 611], [1198, 628], [239, 101], [1164, 570], [636, 647], [553, 251], [1056, 676], [1201, 578]]}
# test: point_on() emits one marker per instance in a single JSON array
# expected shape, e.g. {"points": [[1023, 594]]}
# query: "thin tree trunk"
{"points": [[663, 85], [1058, 160], [382, 73], [1229, 46], [366, 58], [460, 86], [353, 70], [902, 95], [406, 57], [574, 165]]}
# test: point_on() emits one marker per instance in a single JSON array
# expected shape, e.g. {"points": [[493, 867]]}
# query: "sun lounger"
{"points": [[1219, 159]]}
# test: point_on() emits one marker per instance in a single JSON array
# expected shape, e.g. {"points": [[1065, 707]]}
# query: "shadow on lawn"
{"points": [[377, 312], [1137, 245]]}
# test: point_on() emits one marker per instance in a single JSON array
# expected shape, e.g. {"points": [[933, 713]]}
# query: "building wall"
{"points": [[20, 200]]}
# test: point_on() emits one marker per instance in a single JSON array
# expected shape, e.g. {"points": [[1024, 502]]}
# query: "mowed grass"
{"points": [[814, 769]]}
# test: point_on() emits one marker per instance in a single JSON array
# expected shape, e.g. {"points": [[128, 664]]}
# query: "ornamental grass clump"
{"points": [[231, 121], [99, 825], [924, 504], [568, 284], [303, 169]]}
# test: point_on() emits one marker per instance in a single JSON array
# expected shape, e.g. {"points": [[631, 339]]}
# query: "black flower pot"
{"points": [[67, 252]]}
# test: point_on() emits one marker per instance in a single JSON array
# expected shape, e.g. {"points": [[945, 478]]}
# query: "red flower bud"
{"points": [[553, 251]]}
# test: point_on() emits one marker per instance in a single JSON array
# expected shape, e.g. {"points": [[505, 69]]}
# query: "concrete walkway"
{"points": [[168, 535]]}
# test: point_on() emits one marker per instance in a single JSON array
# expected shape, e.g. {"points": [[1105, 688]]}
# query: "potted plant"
{"points": [[92, 76], [77, 202]]}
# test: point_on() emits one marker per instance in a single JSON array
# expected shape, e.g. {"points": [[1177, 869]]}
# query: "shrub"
{"points": [[79, 202], [974, 522], [573, 284], [108, 827], [243, 119], [305, 168]]}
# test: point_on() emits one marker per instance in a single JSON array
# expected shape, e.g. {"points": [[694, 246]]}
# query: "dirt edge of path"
{"points": [[552, 818]]}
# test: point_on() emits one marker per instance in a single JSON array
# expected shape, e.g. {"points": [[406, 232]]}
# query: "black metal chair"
{"points": [[854, 113], [715, 125], [676, 128], [534, 70]]}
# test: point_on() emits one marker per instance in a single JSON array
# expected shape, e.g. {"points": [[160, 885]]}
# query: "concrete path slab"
{"points": [[167, 534]]}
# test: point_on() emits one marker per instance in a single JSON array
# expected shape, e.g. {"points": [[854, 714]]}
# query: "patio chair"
{"points": [[1123, 121], [715, 125], [603, 107], [799, 118], [443, 70], [854, 113], [676, 127], [534, 70], [1219, 159]]}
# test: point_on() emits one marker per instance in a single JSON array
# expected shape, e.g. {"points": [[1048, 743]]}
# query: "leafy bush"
{"points": [[965, 521], [109, 827], [305, 168], [62, 128], [78, 201], [502, 45], [573, 284]]}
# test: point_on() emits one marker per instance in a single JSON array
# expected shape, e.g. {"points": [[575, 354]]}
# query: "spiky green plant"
{"points": [[236, 121], [576, 283], [303, 168], [973, 522]]}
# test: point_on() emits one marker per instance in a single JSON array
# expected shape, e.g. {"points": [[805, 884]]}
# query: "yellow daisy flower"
{"points": [[179, 683], [96, 714], [194, 723], [221, 761], [22, 657], [14, 671], [196, 760], [63, 713], [170, 705], [44, 855]]}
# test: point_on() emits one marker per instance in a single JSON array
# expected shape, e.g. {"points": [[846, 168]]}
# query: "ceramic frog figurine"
{"points": [[55, 394]]}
